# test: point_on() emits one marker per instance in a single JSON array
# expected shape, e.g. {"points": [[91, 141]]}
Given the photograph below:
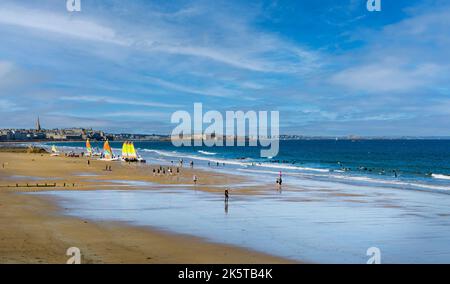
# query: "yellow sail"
{"points": [[129, 149], [125, 150], [132, 154], [107, 152]]}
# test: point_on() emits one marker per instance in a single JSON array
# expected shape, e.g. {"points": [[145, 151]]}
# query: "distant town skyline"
{"points": [[331, 68]]}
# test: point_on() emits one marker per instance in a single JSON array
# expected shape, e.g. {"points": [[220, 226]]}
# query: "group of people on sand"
{"points": [[163, 171], [72, 154]]}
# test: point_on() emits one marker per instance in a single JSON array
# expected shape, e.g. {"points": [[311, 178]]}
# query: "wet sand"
{"points": [[35, 231]]}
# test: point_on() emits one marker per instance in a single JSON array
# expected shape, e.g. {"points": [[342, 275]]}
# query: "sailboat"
{"points": [[90, 151], [108, 154], [55, 151], [88, 148], [129, 153]]}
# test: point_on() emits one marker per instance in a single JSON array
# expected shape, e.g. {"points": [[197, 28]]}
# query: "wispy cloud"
{"points": [[210, 91], [5, 68], [61, 24], [112, 100], [264, 52], [387, 77], [8, 106], [402, 57]]}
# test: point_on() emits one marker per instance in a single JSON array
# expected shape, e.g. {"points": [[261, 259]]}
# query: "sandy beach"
{"points": [[35, 231]]}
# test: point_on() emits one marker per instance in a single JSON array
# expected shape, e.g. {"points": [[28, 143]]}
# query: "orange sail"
{"points": [[107, 152], [88, 147]]}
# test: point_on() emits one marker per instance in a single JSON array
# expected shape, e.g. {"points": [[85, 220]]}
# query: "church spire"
{"points": [[38, 124]]}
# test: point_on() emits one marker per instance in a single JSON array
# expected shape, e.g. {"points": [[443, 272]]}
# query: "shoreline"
{"points": [[41, 233]]}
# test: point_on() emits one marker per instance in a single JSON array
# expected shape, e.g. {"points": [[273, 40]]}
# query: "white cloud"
{"points": [[386, 77], [112, 100], [61, 24], [212, 91], [5, 68], [238, 45], [8, 106], [405, 56]]}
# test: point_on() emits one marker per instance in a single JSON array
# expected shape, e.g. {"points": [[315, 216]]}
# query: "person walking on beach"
{"points": [[89, 162], [279, 180], [226, 196], [192, 164], [194, 178]]}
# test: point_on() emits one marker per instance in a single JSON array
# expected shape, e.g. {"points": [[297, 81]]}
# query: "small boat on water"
{"points": [[129, 153], [55, 151], [108, 154]]}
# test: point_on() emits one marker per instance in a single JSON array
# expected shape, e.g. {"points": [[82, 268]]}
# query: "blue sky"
{"points": [[329, 67]]}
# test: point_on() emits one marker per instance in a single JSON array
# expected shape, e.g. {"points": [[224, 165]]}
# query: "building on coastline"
{"points": [[69, 134]]}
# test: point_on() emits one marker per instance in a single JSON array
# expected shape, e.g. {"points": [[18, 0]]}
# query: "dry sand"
{"points": [[34, 231]]}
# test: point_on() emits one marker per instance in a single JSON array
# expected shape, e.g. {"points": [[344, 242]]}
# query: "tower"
{"points": [[38, 125]]}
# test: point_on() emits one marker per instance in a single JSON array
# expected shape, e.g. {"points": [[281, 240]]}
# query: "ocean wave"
{"points": [[288, 167], [439, 176], [206, 152], [175, 154], [246, 163], [397, 183]]}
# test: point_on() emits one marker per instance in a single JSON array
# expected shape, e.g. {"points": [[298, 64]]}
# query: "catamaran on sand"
{"points": [[129, 153], [89, 151], [55, 151], [108, 154]]}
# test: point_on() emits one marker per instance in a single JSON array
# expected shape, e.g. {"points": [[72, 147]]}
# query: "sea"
{"points": [[406, 164]]}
